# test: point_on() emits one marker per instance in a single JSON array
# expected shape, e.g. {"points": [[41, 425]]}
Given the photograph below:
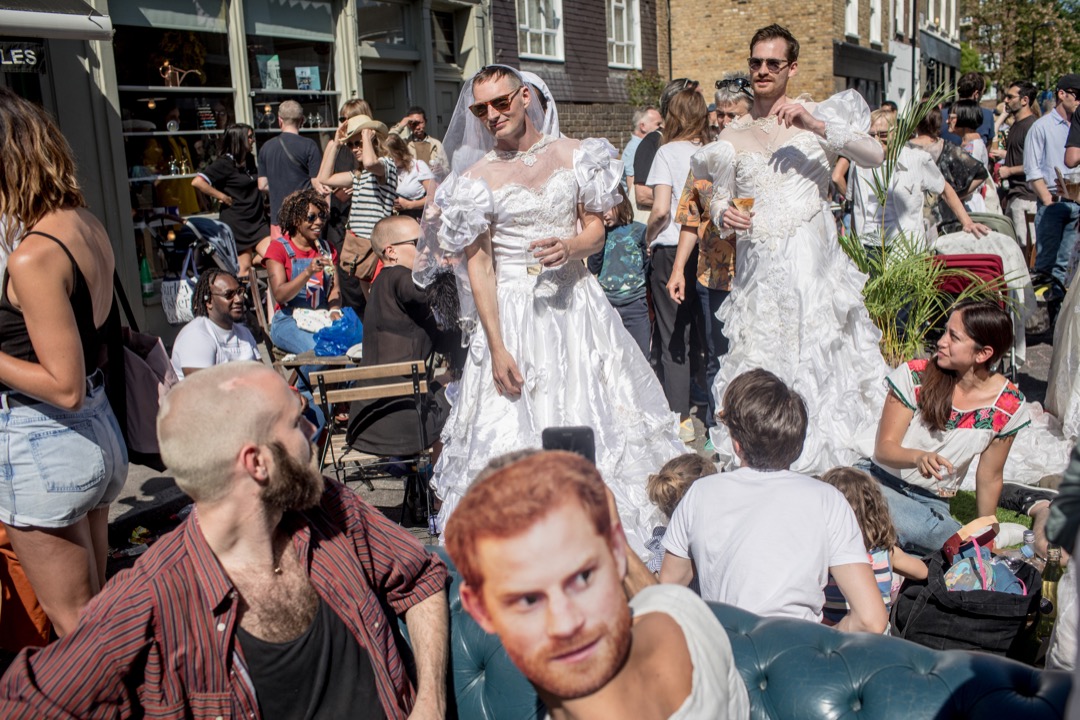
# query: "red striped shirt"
{"points": [[160, 639]]}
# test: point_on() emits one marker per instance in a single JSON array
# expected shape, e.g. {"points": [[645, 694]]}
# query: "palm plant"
{"points": [[903, 295]]}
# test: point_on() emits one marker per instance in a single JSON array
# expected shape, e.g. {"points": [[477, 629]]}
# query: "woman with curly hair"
{"points": [[65, 457], [872, 512], [300, 266]]}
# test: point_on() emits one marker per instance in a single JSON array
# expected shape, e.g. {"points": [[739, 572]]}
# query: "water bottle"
{"points": [[1027, 551], [146, 279]]}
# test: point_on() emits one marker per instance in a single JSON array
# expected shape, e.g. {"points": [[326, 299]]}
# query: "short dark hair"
{"points": [[1027, 90], [767, 418], [968, 114], [889, 105], [771, 32], [417, 110], [931, 123], [495, 73], [294, 208], [969, 84]]}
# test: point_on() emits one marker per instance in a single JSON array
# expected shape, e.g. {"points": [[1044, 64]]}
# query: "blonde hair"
{"points": [[353, 107], [667, 487], [881, 114], [865, 498], [38, 174], [398, 150]]}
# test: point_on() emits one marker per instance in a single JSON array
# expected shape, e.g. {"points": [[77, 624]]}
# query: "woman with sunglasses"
{"points": [[301, 269], [216, 335]]}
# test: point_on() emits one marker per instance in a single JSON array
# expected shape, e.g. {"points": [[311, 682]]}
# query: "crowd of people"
{"points": [[563, 287]]}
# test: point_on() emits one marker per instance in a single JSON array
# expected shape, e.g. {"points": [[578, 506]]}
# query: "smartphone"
{"points": [[575, 439]]}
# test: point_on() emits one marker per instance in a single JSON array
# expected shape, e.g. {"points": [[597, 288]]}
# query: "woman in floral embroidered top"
{"points": [[940, 416]]}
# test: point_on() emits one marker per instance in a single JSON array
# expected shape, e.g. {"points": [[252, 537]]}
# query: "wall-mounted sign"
{"points": [[22, 57]]}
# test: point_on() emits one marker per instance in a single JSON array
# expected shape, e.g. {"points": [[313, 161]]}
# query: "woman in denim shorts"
{"points": [[63, 458]]}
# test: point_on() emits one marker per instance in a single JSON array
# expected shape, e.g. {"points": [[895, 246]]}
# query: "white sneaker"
{"points": [[687, 433]]}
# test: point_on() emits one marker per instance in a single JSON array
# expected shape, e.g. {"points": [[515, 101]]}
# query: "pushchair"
{"points": [[188, 248]]}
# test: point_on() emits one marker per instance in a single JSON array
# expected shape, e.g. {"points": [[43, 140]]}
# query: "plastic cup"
{"points": [[949, 483]]}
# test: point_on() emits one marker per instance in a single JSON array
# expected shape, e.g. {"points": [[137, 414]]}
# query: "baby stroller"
{"points": [[189, 247]]}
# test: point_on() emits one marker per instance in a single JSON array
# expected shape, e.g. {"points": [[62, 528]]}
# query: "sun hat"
{"points": [[363, 122]]}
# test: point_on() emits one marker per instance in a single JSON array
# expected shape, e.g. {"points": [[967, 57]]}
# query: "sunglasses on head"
{"points": [[311, 217], [500, 104], [740, 83], [773, 65]]}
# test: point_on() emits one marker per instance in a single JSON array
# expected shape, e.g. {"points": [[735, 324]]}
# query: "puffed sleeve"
{"points": [[465, 208], [716, 163], [598, 171], [847, 122]]}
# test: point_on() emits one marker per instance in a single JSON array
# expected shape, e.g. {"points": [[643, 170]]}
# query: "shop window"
{"points": [[381, 23], [540, 29], [623, 33], [290, 49], [444, 38]]}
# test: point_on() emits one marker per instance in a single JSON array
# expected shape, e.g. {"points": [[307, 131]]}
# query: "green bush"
{"points": [[644, 88]]}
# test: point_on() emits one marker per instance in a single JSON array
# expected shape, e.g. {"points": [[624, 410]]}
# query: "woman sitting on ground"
{"points": [[940, 415]]}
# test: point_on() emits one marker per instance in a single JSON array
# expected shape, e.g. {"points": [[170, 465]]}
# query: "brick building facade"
{"points": [[588, 83]]}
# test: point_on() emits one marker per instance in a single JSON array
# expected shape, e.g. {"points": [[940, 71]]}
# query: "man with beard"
{"points": [[269, 601], [542, 558], [216, 335]]}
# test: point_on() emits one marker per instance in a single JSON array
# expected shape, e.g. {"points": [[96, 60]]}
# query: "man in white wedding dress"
{"points": [[796, 307], [514, 219]]}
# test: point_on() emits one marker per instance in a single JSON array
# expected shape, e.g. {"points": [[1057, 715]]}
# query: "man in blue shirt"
{"points": [[645, 121], [971, 86], [1044, 155]]}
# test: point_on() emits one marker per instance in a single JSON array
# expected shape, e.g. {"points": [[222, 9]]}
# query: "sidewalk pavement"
{"points": [[150, 498]]}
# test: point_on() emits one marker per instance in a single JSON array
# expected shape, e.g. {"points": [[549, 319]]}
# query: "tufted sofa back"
{"points": [[792, 670]]}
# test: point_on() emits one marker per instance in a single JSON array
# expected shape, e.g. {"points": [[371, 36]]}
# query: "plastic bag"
{"points": [[345, 332]]}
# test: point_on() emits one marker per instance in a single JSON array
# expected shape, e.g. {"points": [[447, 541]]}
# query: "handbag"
{"points": [[928, 613], [136, 385], [178, 293], [363, 260]]}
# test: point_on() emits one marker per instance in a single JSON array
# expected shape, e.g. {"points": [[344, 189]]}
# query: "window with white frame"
{"points": [[851, 18], [540, 29], [623, 33], [875, 21]]}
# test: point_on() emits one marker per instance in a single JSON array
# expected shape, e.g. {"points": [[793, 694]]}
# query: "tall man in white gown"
{"points": [[514, 219], [796, 307]]}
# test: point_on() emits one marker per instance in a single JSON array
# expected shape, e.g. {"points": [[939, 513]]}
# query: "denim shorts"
{"points": [[58, 464]]}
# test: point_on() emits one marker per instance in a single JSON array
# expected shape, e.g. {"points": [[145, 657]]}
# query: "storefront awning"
{"points": [[939, 50], [64, 19], [854, 61]]}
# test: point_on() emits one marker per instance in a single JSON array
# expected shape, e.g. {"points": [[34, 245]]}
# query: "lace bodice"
{"points": [[524, 214]]}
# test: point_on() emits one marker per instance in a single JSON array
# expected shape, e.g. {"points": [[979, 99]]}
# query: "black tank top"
{"points": [[322, 675], [15, 340]]}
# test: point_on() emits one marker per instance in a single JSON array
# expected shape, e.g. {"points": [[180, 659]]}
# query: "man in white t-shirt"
{"points": [[542, 556], [215, 336], [764, 538]]}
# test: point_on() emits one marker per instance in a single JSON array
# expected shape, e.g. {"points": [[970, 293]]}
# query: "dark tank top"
{"points": [[14, 338]]}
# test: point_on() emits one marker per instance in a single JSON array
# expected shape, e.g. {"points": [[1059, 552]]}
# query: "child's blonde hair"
{"points": [[865, 498], [667, 487]]}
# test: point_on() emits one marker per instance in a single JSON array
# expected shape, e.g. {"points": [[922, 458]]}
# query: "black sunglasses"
{"points": [[774, 65], [312, 216], [500, 104], [740, 84], [341, 118], [405, 242], [230, 294]]}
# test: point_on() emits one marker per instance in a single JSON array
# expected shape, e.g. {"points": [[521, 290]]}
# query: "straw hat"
{"points": [[363, 122]]}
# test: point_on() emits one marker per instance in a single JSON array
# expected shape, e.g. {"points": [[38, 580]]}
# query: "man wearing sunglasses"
{"points": [[545, 347], [796, 306], [216, 335]]}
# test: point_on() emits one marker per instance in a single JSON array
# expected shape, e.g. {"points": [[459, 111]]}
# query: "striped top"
{"points": [[372, 198], [836, 606], [160, 639]]}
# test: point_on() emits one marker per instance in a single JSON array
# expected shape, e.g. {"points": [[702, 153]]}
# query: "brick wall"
{"points": [[582, 120]]}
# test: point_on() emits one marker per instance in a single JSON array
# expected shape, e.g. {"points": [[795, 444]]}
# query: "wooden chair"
{"points": [[263, 306], [376, 382]]}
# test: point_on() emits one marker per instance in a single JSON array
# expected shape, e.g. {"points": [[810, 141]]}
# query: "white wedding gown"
{"points": [[580, 366], [796, 308]]}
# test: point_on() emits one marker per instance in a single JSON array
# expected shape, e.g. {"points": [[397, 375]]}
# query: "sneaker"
{"points": [[687, 433]]}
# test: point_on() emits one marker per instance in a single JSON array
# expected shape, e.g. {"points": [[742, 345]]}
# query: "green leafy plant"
{"points": [[903, 295], [644, 88]]}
